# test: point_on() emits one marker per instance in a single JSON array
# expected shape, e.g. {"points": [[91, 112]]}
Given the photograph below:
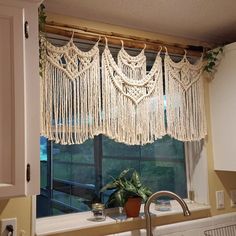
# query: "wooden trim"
{"points": [[115, 39]]}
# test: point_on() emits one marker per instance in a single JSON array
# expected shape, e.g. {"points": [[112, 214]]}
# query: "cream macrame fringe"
{"points": [[185, 109], [126, 105], [133, 110], [134, 67], [70, 94]]}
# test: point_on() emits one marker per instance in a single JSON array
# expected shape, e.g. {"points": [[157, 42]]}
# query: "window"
{"points": [[72, 175]]}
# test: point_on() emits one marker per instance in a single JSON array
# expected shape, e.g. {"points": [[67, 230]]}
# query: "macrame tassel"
{"points": [[185, 100], [71, 94], [133, 110]]}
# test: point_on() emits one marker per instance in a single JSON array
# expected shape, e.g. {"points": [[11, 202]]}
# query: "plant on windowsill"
{"points": [[128, 192]]}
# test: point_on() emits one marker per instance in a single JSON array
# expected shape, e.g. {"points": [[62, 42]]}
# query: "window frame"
{"points": [[55, 184], [200, 208], [190, 176]]}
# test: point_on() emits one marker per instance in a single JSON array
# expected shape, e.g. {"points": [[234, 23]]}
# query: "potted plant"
{"points": [[128, 192]]}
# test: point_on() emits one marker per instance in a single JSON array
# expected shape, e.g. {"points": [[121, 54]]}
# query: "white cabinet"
{"points": [[19, 99], [223, 111]]}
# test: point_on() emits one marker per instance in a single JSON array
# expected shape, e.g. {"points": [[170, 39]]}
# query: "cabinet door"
{"points": [[17, 106]]}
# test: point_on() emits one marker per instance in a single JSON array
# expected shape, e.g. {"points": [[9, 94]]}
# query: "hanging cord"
{"points": [[159, 52], [145, 45], [185, 54], [72, 36], [166, 51], [99, 39], [122, 43], [106, 42]]}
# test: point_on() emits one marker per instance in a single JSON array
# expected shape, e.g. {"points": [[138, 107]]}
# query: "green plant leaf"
{"points": [[142, 194], [211, 64], [109, 186], [42, 17], [212, 57], [123, 173], [136, 179], [209, 56], [120, 197], [128, 186], [147, 191], [112, 200]]}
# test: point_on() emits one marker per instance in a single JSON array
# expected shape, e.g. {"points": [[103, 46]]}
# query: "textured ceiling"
{"points": [[206, 20]]}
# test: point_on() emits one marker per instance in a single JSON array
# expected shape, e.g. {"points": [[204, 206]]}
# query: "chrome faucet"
{"points": [[155, 196]]}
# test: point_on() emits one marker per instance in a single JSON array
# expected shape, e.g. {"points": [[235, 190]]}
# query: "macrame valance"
{"points": [[126, 103], [70, 94], [185, 110], [133, 108]]}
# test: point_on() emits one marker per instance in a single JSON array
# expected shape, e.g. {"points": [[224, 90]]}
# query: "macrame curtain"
{"points": [[133, 108], [126, 103], [185, 110], [70, 94]]}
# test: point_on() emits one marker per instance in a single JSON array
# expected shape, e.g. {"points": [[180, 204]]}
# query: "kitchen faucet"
{"points": [[155, 196]]}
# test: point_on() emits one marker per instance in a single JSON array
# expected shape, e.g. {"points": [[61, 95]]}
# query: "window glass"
{"points": [[72, 175], [43, 162]]}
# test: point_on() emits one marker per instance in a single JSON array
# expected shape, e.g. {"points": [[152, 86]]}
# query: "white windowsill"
{"points": [[78, 221]]}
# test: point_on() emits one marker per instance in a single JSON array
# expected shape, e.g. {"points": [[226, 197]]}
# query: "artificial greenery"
{"points": [[42, 53], [42, 17], [127, 184], [212, 57]]}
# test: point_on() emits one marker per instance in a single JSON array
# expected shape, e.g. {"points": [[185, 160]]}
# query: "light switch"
{"points": [[233, 198], [220, 199]]}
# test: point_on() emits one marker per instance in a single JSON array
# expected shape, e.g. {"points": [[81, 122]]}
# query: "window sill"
{"points": [[114, 223]]}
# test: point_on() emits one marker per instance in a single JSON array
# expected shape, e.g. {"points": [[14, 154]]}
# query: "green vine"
{"points": [[42, 52], [42, 17], [212, 58]]}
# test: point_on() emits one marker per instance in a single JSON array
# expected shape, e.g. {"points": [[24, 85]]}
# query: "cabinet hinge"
{"points": [[28, 173], [26, 29]]}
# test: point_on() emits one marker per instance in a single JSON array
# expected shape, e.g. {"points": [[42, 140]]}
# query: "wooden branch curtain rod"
{"points": [[114, 39]]}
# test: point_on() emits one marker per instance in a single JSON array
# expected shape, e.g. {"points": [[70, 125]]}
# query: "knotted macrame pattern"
{"points": [[70, 94], [134, 67], [133, 109], [126, 104], [185, 108]]}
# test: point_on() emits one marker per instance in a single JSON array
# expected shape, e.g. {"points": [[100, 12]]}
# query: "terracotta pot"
{"points": [[132, 206]]}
